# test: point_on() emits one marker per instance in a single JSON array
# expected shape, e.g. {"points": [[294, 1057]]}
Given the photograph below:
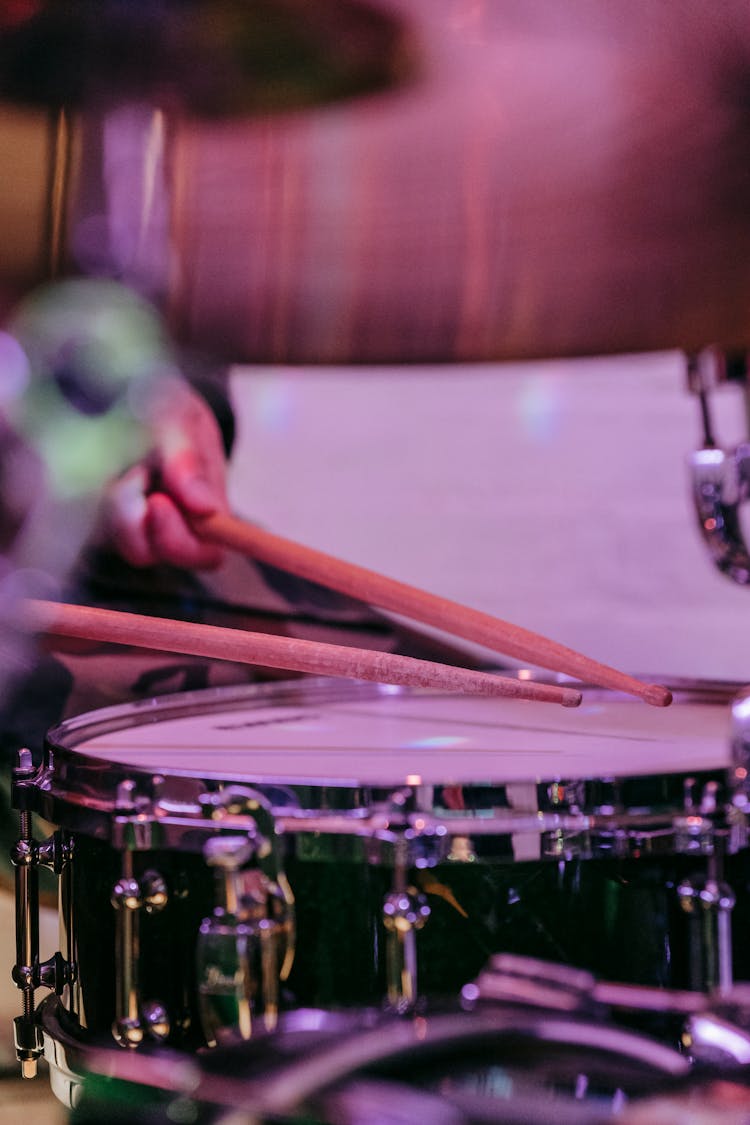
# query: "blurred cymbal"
{"points": [[204, 57], [562, 179]]}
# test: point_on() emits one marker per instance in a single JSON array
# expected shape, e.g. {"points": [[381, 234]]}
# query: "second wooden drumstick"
{"points": [[290, 653], [397, 597]]}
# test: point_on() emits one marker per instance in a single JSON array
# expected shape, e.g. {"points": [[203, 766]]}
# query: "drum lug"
{"points": [[134, 1018], [246, 945], [708, 903], [694, 834], [27, 856], [135, 822], [429, 843], [566, 846], [566, 796], [405, 911], [55, 852]]}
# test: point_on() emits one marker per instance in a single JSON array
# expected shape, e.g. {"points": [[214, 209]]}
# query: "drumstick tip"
{"points": [[571, 697], [657, 695]]}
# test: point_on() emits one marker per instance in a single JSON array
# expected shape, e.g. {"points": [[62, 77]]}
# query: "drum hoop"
{"points": [[71, 731], [317, 690], [359, 811]]}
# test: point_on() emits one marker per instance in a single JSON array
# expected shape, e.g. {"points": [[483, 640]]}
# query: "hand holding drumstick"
{"points": [[145, 514]]}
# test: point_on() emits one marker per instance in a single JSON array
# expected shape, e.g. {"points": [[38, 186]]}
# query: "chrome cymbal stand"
{"points": [[721, 477]]}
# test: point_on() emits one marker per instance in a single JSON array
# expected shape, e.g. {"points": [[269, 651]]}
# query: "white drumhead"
{"points": [[401, 737]]}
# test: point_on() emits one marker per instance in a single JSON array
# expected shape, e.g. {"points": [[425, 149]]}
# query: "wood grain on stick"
{"points": [[431, 609], [292, 654]]}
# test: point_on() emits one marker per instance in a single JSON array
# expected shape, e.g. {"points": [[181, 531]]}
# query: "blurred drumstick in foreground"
{"points": [[430, 609], [292, 654]]}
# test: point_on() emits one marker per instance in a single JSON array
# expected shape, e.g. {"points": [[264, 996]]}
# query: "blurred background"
{"points": [[555, 494], [454, 253]]}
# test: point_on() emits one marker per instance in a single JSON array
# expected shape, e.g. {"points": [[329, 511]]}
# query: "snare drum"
{"points": [[402, 835]]}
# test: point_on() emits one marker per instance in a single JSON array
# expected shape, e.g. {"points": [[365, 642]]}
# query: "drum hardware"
{"points": [[240, 801], [714, 1040], [720, 477], [462, 850], [741, 746], [528, 981], [418, 841], [246, 946], [135, 1018], [510, 977], [694, 835], [405, 911], [411, 840], [238, 949], [695, 832], [708, 902], [708, 798], [131, 896], [29, 973], [738, 779], [531, 982], [613, 828], [569, 795], [716, 1024], [564, 846]]}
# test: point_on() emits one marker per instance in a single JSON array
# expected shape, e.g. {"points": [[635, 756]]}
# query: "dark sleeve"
{"points": [[30, 705], [213, 386]]}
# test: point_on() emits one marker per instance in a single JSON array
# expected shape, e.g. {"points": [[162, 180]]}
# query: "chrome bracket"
{"points": [[739, 777], [240, 810], [720, 478]]}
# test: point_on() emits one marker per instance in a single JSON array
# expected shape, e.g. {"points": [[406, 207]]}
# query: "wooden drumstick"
{"points": [[430, 609], [290, 653]]}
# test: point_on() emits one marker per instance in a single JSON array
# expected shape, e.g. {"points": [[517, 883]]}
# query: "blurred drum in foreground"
{"points": [[497, 1064], [554, 180], [534, 1042]]}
